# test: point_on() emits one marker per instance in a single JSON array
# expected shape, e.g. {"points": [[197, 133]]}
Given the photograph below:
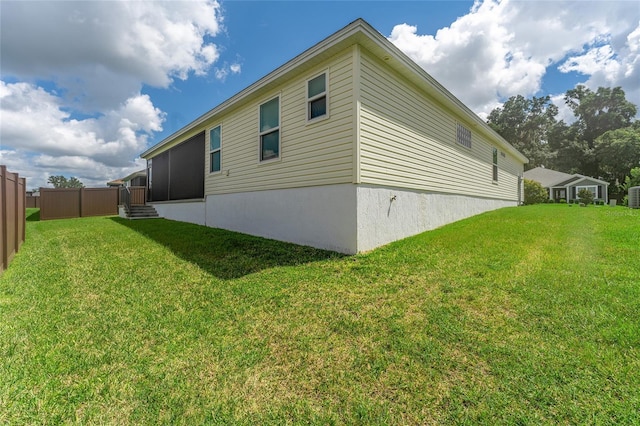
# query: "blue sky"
{"points": [[262, 35], [87, 86], [283, 26]]}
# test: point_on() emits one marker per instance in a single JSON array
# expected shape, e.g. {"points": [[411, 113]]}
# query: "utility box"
{"points": [[634, 197]]}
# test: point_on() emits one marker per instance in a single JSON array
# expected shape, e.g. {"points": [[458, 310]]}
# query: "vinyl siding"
{"points": [[408, 140], [311, 154]]}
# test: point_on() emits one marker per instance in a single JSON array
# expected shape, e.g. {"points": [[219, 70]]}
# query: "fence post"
{"points": [[3, 216], [23, 220], [12, 208], [16, 214]]}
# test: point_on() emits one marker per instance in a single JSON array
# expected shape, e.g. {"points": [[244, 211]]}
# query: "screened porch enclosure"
{"points": [[178, 173]]}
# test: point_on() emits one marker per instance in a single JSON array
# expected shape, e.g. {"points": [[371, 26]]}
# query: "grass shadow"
{"points": [[224, 254], [33, 215]]}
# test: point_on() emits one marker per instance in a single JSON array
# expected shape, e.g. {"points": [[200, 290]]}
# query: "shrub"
{"points": [[534, 193], [562, 201], [585, 196]]}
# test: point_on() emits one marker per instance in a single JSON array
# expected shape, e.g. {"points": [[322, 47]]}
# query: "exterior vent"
{"points": [[634, 197]]}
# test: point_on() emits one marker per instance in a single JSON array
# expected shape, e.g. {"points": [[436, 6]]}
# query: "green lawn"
{"points": [[525, 315]]}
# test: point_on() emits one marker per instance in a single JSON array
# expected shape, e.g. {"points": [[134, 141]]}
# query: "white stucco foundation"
{"points": [[322, 216], [183, 211], [388, 214], [346, 218]]}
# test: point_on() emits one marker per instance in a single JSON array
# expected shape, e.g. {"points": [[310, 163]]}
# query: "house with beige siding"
{"points": [[347, 147]]}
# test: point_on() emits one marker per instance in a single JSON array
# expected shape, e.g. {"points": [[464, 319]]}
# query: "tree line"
{"points": [[603, 141], [60, 181]]}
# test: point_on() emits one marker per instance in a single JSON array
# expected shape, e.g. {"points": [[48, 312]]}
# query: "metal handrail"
{"points": [[125, 198]]}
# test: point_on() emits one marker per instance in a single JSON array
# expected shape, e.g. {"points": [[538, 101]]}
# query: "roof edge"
{"points": [[324, 44], [353, 28]]}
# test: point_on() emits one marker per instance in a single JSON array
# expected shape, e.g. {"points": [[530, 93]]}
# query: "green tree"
{"points": [[618, 151], [62, 182], [633, 179], [75, 183], [534, 193], [526, 124], [600, 111], [629, 182], [596, 113]]}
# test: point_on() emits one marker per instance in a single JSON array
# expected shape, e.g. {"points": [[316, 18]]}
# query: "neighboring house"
{"points": [[115, 183], [348, 146], [563, 186], [138, 178]]}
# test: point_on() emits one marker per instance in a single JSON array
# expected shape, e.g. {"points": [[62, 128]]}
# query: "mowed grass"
{"points": [[525, 315]]}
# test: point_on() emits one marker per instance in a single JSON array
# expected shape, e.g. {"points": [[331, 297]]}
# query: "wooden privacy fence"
{"points": [[138, 195], [65, 203], [12, 215], [33, 202]]}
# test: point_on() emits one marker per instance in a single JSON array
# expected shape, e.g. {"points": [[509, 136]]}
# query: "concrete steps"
{"points": [[142, 212]]}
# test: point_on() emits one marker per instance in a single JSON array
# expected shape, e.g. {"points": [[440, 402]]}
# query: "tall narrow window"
{"points": [[270, 129], [215, 149], [495, 164], [317, 97]]}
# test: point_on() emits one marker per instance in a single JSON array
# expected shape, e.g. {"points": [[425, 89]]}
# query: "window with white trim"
{"points": [[495, 164], [270, 129], [463, 135], [317, 97], [215, 149], [591, 188]]}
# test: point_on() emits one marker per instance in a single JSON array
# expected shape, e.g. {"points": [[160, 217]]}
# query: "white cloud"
{"points": [[37, 130], [592, 61], [501, 49], [612, 64], [102, 51], [222, 72], [65, 61], [34, 120], [37, 168], [565, 113]]}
